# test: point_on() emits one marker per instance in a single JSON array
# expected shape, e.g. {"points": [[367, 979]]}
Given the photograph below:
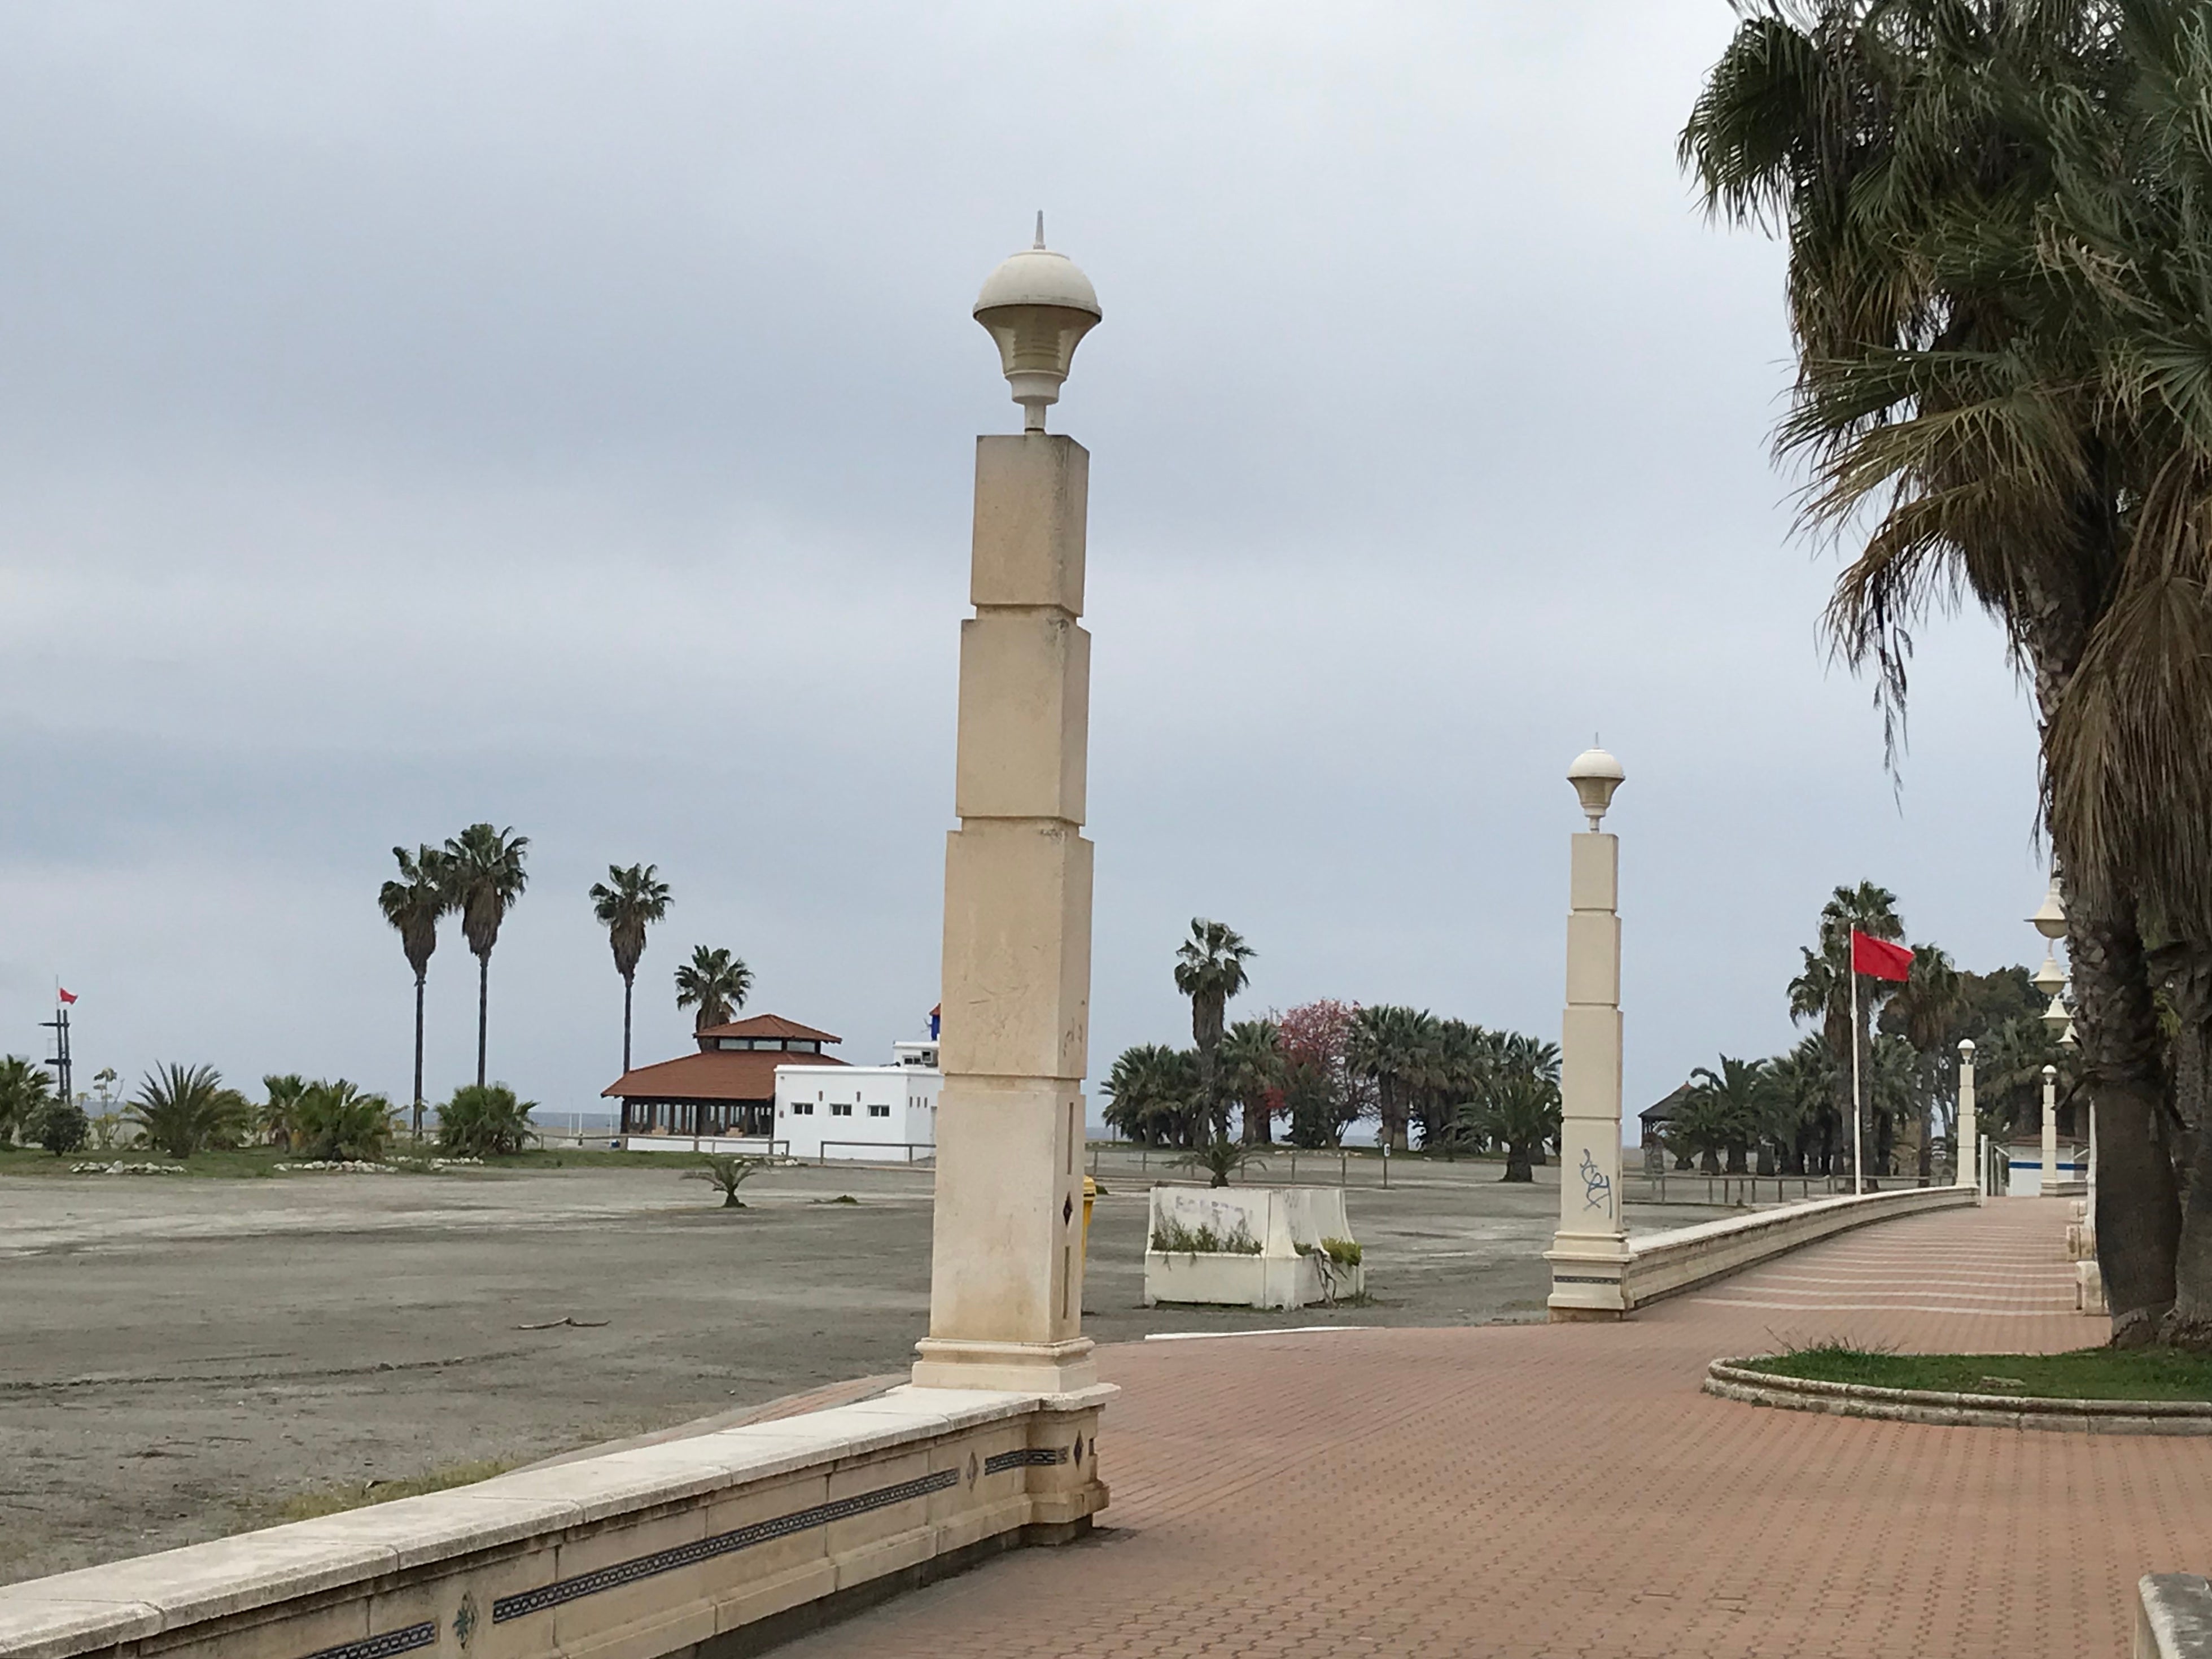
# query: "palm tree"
{"points": [[484, 869], [25, 1089], [1801, 1104], [413, 904], [1395, 1046], [1823, 990], [1251, 1060], [279, 1116], [184, 1108], [1209, 970], [1735, 1098], [714, 982], [1518, 1107], [1153, 1095], [1992, 210], [628, 902]]}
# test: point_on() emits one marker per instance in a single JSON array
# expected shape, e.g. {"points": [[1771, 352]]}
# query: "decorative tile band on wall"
{"points": [[705, 1549], [999, 1462], [378, 1646]]}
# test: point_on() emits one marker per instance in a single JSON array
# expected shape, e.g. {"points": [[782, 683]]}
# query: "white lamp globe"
{"points": [[1595, 774], [1037, 305]]}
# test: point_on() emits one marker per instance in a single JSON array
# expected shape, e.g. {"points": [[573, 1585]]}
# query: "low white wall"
{"points": [[1663, 1264], [631, 1555]]}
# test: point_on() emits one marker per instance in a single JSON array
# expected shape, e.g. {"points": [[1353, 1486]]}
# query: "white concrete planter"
{"points": [[1289, 1268]]}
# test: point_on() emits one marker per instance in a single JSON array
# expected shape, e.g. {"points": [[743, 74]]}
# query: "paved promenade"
{"points": [[1530, 1490]]}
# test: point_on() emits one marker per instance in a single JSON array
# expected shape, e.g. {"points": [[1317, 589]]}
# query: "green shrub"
{"points": [[335, 1119], [1345, 1252], [485, 1119], [61, 1128], [185, 1109]]}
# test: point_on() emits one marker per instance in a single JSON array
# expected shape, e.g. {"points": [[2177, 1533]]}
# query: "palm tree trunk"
{"points": [[2190, 990], [419, 980], [483, 1011], [627, 988], [2138, 1206]]}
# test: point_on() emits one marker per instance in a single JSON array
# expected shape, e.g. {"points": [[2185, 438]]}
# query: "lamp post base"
{"points": [[1009, 1367], [1586, 1279]]}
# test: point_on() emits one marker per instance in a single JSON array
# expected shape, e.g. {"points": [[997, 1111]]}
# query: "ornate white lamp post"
{"points": [[1968, 1154], [2050, 920], [2050, 1183], [1006, 1289], [1590, 1247]]}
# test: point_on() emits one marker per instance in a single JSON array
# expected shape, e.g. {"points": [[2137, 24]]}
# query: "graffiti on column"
{"points": [[1597, 1186]]}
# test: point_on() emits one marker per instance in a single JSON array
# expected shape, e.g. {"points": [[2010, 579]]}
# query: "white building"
{"points": [[874, 1113]]}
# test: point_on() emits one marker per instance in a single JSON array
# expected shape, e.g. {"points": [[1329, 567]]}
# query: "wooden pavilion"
{"points": [[727, 1088]]}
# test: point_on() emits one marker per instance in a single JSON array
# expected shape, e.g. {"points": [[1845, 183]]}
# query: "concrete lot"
{"points": [[183, 1355]]}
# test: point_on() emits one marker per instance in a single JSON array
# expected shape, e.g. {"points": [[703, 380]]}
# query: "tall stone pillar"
{"points": [[1590, 1251], [1968, 1139], [1006, 1299], [2049, 1188]]}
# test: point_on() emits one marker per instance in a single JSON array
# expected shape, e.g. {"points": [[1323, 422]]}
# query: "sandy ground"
{"points": [[180, 1356]]}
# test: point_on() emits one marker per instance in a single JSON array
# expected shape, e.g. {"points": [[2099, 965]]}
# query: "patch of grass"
{"points": [[841, 1198], [2084, 1374], [333, 1500]]}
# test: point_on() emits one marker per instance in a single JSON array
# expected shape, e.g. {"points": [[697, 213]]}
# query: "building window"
{"points": [[801, 1046], [875, 1110], [840, 1108], [802, 1109]]}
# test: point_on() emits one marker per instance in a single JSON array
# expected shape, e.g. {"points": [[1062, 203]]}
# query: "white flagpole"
{"points": [[1858, 1111]]}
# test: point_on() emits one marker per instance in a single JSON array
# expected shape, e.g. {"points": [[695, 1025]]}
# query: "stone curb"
{"points": [[1729, 1379]]}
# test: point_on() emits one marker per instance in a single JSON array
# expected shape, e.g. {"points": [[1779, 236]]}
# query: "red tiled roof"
{"points": [[768, 1025], [714, 1074]]}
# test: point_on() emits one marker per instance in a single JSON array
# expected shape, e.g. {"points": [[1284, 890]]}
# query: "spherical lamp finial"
{"points": [[1038, 305], [1966, 1050], [1595, 774]]}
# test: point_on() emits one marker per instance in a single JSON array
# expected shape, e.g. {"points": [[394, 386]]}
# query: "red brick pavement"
{"points": [[1566, 1489]]}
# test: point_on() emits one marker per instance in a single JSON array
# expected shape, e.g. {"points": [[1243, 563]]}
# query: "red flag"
{"points": [[66, 996], [1878, 959]]}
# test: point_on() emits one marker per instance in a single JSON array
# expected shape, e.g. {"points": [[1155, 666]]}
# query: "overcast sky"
{"points": [[562, 415]]}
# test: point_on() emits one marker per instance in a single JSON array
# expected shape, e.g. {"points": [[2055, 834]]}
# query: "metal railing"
{"points": [[926, 1150]]}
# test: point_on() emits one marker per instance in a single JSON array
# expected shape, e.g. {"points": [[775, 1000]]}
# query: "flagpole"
{"points": [[1858, 1111]]}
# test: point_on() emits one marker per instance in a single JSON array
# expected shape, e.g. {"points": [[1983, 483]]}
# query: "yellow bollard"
{"points": [[1090, 1197]]}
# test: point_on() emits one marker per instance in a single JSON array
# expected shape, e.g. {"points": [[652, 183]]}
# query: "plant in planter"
{"points": [[1175, 1238]]}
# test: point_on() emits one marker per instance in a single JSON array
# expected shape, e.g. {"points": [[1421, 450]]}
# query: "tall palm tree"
{"points": [[1251, 1060], [1822, 990], [485, 868], [628, 902], [412, 904], [1991, 210], [714, 982], [1209, 970]]}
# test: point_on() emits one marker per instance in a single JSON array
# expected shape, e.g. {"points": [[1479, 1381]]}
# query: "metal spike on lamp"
{"points": [[1038, 306]]}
